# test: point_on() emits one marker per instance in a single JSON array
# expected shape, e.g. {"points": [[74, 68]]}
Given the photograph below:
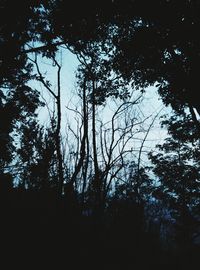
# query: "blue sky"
{"points": [[150, 105]]}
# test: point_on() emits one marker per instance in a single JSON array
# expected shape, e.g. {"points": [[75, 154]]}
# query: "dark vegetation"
{"points": [[96, 204]]}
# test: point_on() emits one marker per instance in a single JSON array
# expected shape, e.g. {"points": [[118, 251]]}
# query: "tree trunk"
{"points": [[97, 180], [83, 141], [86, 142], [58, 138]]}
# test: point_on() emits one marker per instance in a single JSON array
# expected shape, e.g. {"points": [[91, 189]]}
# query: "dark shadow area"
{"points": [[43, 231], [90, 186]]}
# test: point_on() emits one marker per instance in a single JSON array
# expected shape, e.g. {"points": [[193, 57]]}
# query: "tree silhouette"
{"points": [[150, 48], [177, 168], [90, 188]]}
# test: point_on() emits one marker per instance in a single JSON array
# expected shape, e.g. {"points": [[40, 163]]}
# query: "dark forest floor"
{"points": [[43, 237]]}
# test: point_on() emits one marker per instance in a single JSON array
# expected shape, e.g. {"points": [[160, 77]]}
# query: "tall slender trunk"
{"points": [[86, 142], [58, 136], [83, 141], [58, 127], [97, 180]]}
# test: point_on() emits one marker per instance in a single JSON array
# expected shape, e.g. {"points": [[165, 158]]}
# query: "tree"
{"points": [[177, 168], [57, 97], [169, 58], [16, 33], [18, 100], [17, 105], [149, 48], [109, 150], [36, 160]]}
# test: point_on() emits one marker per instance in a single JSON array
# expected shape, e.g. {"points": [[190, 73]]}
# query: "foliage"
{"points": [[36, 157], [177, 168], [120, 46]]}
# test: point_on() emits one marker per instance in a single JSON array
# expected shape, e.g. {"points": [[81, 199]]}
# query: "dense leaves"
{"points": [[120, 46], [177, 168]]}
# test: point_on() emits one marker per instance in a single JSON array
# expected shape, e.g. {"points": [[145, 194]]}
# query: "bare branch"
{"points": [[41, 78]]}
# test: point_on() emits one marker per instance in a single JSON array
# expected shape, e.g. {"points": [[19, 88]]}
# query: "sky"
{"points": [[149, 107]]}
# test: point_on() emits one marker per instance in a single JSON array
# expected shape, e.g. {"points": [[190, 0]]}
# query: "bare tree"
{"points": [[57, 97]]}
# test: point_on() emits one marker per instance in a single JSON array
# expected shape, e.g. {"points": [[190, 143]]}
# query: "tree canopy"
{"points": [[89, 180]]}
